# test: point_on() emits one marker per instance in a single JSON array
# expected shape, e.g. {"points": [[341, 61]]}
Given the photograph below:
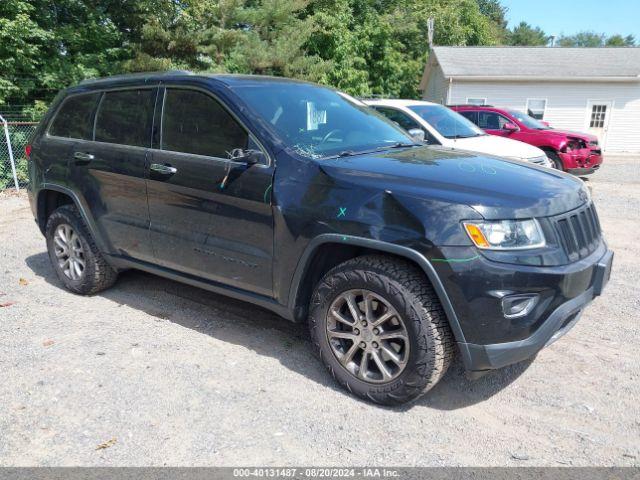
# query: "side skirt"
{"points": [[271, 304]]}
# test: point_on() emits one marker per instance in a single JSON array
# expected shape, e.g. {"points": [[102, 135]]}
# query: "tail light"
{"points": [[27, 151]]}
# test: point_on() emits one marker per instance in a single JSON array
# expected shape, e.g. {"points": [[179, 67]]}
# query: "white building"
{"points": [[584, 89]]}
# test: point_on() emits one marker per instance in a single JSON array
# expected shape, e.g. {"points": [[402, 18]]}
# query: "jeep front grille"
{"points": [[579, 232]]}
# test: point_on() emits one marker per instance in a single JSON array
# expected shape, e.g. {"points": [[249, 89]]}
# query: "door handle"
{"points": [[83, 157], [163, 169]]}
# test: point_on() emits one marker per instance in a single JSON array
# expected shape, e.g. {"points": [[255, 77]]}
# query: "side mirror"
{"points": [[248, 156], [510, 127], [417, 134], [254, 156]]}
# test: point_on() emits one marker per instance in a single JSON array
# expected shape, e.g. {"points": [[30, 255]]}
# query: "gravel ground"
{"points": [[152, 372]]}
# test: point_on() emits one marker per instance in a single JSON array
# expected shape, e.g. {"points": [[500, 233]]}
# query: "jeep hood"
{"points": [[496, 188]]}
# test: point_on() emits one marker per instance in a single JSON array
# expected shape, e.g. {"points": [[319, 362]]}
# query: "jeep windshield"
{"points": [[317, 122], [448, 123]]}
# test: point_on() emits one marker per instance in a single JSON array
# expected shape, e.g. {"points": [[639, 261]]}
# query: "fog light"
{"points": [[514, 306]]}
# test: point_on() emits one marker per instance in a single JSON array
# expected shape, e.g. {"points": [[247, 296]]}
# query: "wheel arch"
{"points": [[553, 154], [305, 278], [52, 196]]}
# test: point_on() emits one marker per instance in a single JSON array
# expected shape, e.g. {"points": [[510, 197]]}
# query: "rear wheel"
{"points": [[74, 255], [380, 329]]}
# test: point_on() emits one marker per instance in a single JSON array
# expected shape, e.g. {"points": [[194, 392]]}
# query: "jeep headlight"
{"points": [[506, 234]]}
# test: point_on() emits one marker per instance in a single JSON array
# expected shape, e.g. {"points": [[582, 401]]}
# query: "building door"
{"points": [[598, 114]]}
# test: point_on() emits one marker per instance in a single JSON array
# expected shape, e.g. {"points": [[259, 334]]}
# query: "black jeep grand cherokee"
{"points": [[302, 200]]}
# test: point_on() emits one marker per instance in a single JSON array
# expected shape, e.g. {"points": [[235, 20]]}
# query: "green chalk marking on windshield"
{"points": [[455, 260], [342, 212]]}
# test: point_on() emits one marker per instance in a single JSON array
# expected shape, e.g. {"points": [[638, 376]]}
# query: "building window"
{"points": [[476, 101], [536, 108], [598, 115]]}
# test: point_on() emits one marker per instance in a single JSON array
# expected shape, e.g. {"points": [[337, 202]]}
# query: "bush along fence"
{"points": [[14, 137]]}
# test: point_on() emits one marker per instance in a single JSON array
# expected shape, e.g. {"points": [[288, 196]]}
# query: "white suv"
{"points": [[445, 127]]}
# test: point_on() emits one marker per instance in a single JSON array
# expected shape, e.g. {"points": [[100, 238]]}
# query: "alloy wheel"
{"points": [[69, 252], [367, 336]]}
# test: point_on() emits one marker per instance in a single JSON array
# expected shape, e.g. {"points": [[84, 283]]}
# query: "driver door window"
{"points": [[195, 123]]}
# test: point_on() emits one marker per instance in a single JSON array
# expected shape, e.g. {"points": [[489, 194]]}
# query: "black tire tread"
{"points": [[99, 274], [409, 284]]}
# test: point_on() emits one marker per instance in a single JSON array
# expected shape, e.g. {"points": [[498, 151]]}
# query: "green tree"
{"points": [[45, 46], [380, 47], [620, 41], [22, 44], [582, 39], [362, 46], [238, 36], [496, 12], [526, 35]]}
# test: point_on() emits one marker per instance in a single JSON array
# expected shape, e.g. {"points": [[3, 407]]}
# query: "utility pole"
{"points": [[430, 28]]}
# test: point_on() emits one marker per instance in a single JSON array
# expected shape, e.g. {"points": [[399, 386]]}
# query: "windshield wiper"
{"points": [[398, 145], [352, 153], [405, 144], [347, 153]]}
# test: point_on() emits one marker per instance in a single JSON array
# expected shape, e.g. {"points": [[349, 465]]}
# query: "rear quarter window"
{"points": [[125, 117], [75, 117]]}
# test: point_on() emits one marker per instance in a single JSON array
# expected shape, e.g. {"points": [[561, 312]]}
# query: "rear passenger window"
{"points": [[75, 117], [125, 117], [193, 122]]}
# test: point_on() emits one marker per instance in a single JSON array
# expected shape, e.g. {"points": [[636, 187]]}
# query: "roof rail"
{"points": [[467, 105], [134, 76]]}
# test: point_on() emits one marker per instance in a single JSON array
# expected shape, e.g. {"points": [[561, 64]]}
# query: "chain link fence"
{"points": [[14, 136]]}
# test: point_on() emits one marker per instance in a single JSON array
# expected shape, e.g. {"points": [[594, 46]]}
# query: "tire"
{"points": [[555, 158], [403, 287], [96, 274]]}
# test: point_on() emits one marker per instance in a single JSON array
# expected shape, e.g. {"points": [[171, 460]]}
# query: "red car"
{"points": [[573, 152]]}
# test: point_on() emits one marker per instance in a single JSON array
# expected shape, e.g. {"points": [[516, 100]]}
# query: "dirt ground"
{"points": [[152, 372]]}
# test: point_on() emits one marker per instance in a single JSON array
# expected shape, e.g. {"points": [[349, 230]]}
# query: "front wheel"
{"points": [[380, 329], [555, 159]]}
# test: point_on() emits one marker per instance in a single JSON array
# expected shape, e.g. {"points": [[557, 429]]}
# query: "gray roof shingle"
{"points": [[521, 62]]}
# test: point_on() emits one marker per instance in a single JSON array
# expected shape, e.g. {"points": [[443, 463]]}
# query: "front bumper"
{"points": [[583, 171], [568, 292], [581, 162]]}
